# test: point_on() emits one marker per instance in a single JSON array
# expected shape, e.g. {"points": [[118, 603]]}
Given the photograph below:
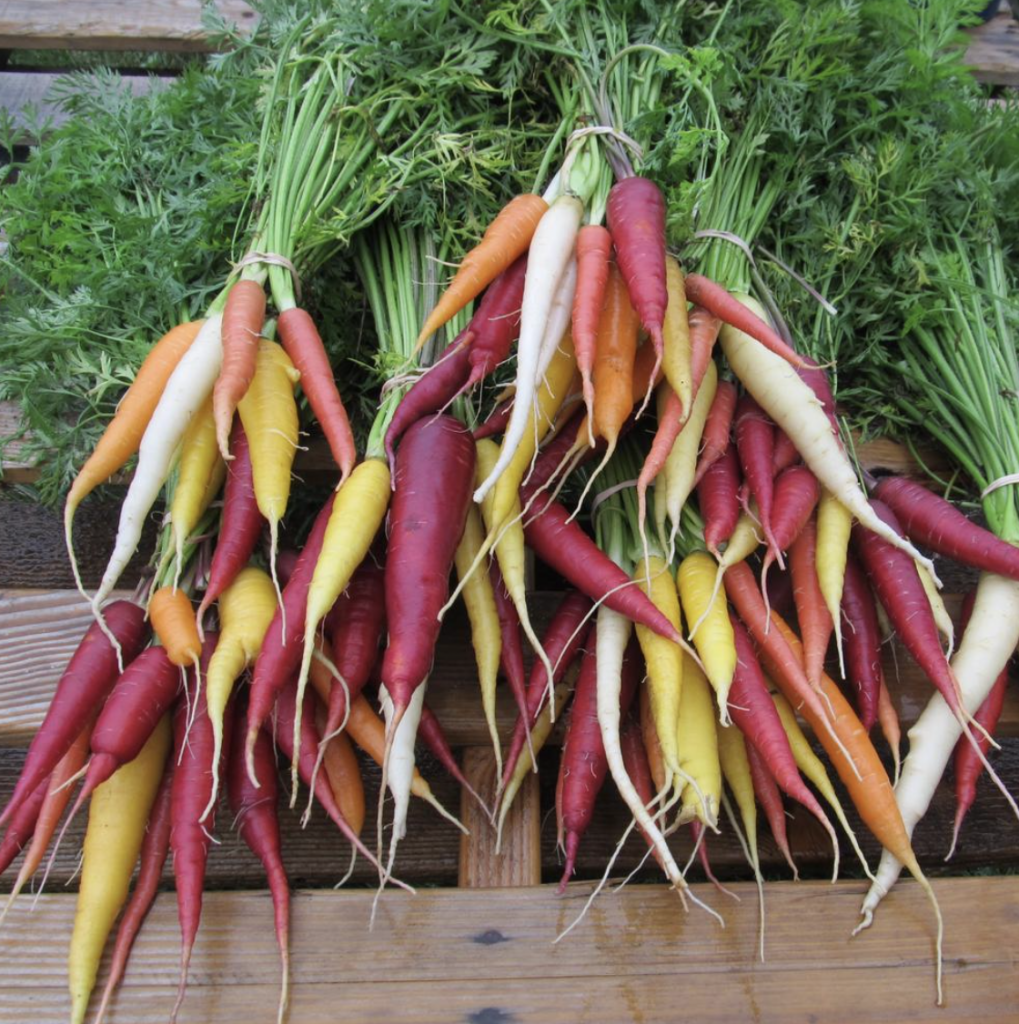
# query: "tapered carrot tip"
{"points": [[572, 846], [960, 813], [185, 961]]}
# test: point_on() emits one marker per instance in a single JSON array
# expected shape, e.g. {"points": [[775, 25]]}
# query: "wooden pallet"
{"points": [[457, 953]]}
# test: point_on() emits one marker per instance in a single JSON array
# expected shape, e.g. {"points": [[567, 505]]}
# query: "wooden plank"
{"points": [[484, 957], [40, 629], [993, 51], [518, 861], [112, 24]]}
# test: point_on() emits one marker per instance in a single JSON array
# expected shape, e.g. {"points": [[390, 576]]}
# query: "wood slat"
{"points": [[487, 957], [993, 51], [113, 24], [40, 629]]}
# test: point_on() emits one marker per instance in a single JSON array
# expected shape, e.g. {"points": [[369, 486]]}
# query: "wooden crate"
{"points": [[479, 949]]}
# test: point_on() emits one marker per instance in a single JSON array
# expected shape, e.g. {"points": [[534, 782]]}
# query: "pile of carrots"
{"points": [[679, 677]]}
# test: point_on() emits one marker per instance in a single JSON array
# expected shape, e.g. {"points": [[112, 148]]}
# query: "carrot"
{"points": [[175, 626], [594, 249], [817, 380], [638, 768], [269, 414], [85, 684], [302, 343], [281, 649], [862, 641], [834, 526], [496, 322], [718, 499], [185, 391], [124, 432], [697, 743], [240, 524], [784, 454], [430, 732], [496, 422], [242, 328], [635, 213], [930, 520], [717, 426], [246, 609], [704, 328], [254, 810], [505, 240], [755, 444], [192, 822], [113, 841], [511, 653], [889, 719], [151, 859], [677, 362], [22, 827], [670, 422], [734, 313], [967, 764], [770, 799], [811, 613], [796, 495], [343, 773]]}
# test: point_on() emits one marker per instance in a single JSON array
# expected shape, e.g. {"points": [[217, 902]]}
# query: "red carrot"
{"points": [[755, 444], [87, 681], [255, 817], [22, 825], [730, 310], [242, 327], [155, 847], [811, 611], [715, 438], [562, 642], [636, 763], [496, 422], [594, 247], [635, 213], [431, 734], [564, 547], [784, 453], [433, 391], [718, 498], [817, 380], [704, 328], [496, 322], [861, 638], [771, 800], [191, 790], [967, 765], [797, 493], [930, 520], [281, 651], [511, 655], [240, 524], [302, 343]]}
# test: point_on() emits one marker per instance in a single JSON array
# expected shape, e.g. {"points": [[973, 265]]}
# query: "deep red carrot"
{"points": [[240, 524], [594, 247], [811, 612], [635, 213], [511, 654], [967, 765], [749, 702], [784, 454], [281, 650], [584, 764], [797, 493], [191, 788], [22, 825], [930, 520], [755, 445], [718, 499], [861, 639], [142, 695], [85, 684], [704, 328], [896, 582], [730, 310], [431, 392], [699, 835], [242, 327], [360, 621], [770, 800], [430, 732], [562, 641], [715, 438], [637, 767], [255, 817], [433, 483], [564, 547], [302, 343], [155, 847], [496, 322], [496, 422]]}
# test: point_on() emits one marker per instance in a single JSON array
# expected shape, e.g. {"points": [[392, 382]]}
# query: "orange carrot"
{"points": [[174, 623], [704, 328], [242, 327], [594, 248], [505, 239], [811, 611]]}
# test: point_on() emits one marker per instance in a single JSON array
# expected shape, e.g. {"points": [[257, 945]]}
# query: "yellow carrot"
{"points": [[697, 741], [834, 525], [246, 608], [117, 818], [676, 333]]}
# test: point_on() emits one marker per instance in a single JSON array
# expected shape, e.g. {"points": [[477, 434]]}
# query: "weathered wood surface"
{"points": [[993, 51], [39, 631], [487, 957], [113, 24]]}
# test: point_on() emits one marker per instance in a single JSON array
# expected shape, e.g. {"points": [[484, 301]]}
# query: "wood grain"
{"points": [[993, 51], [486, 957], [113, 24]]}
